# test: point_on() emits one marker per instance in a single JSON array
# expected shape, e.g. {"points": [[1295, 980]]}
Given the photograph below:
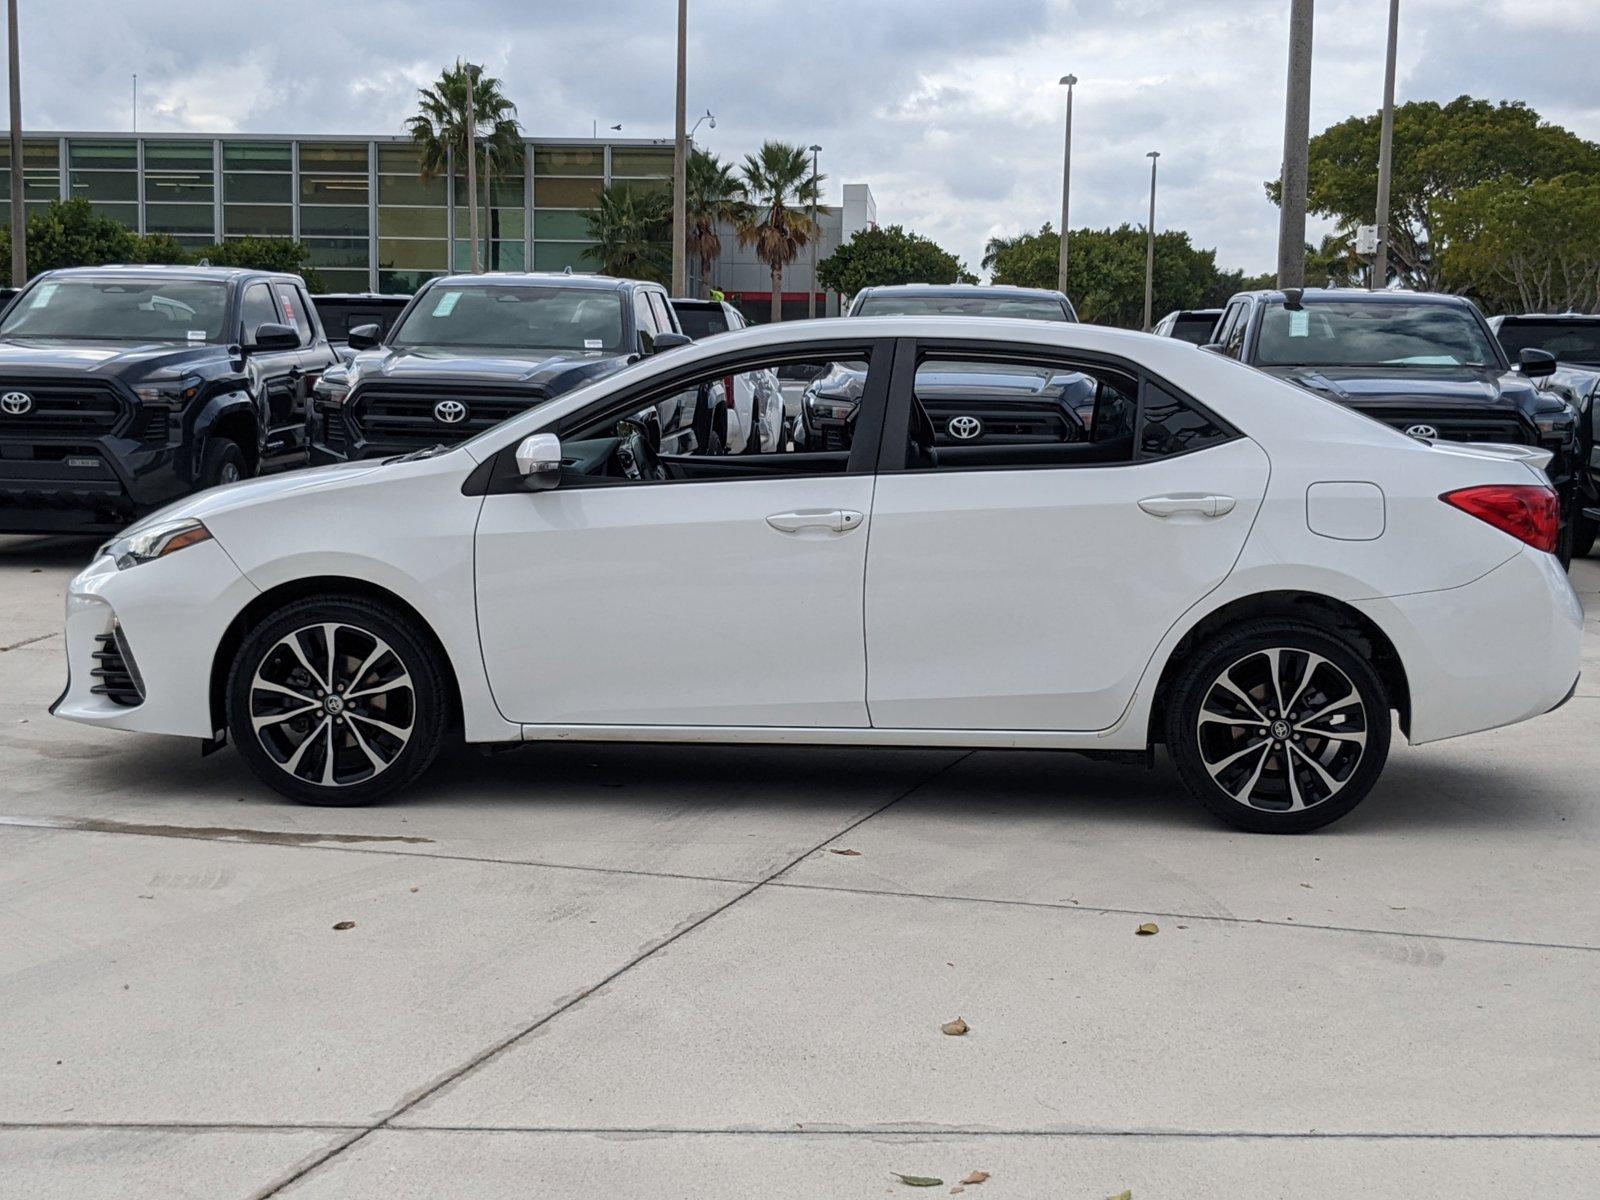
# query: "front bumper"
{"points": [[1493, 652], [169, 617], [95, 485]]}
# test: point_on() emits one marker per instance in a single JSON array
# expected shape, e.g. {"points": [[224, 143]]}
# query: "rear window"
{"points": [[702, 322], [1570, 341], [1195, 328], [1031, 308]]}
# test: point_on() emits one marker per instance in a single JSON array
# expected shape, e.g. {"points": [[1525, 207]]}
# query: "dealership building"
{"points": [[366, 217]]}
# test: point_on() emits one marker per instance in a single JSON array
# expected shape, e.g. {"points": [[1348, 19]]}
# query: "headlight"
{"points": [[331, 393], [1555, 424], [158, 541], [169, 395]]}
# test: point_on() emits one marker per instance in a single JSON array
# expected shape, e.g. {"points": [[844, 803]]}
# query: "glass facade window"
{"points": [[335, 223], [41, 174], [257, 189], [413, 221]]}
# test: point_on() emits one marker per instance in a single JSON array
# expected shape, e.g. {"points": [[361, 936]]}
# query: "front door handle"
{"points": [[834, 520], [1188, 504]]}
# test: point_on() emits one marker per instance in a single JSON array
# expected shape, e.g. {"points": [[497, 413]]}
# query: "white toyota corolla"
{"points": [[1205, 557]]}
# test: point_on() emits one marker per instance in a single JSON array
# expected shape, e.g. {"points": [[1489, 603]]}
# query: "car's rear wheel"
{"points": [[337, 701], [1279, 726]]}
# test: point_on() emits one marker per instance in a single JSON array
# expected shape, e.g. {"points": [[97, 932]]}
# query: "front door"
{"points": [[1053, 520], [653, 589], [278, 373]]}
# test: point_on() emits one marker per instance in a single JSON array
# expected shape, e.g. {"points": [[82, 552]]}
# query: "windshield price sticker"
{"points": [[197, 335], [42, 296], [1299, 323], [447, 304], [594, 344]]}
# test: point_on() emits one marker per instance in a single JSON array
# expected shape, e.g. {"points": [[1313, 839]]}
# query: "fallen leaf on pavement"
{"points": [[918, 1180], [955, 1028], [413, 889], [976, 1177], [1146, 930], [342, 925], [1127, 1195], [846, 853], [957, 1190]]}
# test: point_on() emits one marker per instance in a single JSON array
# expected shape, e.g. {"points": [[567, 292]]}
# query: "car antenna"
{"points": [[1291, 298]]}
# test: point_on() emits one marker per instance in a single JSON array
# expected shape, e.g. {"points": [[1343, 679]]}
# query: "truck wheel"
{"points": [[1279, 726], [222, 462], [1583, 535]]}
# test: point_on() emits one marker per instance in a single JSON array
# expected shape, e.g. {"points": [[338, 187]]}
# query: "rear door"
{"points": [[1023, 567]]}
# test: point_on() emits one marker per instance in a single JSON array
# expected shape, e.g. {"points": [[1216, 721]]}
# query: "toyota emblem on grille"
{"points": [[16, 404], [450, 412], [965, 428], [1421, 431]]}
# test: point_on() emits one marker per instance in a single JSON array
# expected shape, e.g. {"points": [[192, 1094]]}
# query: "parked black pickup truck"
{"points": [[1425, 363], [471, 350], [124, 388]]}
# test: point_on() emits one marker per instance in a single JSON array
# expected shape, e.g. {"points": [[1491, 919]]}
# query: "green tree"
{"points": [[1525, 247], [440, 127], [1107, 279], [69, 233], [713, 195], [632, 233], [160, 248], [780, 185], [1440, 151], [264, 254], [890, 254]]}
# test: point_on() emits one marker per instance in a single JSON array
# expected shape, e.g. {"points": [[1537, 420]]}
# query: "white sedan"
{"points": [[1260, 579]]}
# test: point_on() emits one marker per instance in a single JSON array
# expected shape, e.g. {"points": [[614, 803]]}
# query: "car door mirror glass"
{"points": [[271, 336], [1536, 364], [539, 461]]}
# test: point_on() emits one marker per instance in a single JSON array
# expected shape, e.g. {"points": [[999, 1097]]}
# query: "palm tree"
{"points": [[439, 130], [632, 233], [774, 175], [713, 195]]}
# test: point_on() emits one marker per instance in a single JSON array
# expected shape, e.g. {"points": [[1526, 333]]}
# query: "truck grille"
{"points": [[1012, 422], [72, 410], [117, 672], [1465, 426], [388, 416]]}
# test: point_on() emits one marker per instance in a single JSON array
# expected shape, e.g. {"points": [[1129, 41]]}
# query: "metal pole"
{"points": [[1150, 243], [1379, 278], [1066, 188], [19, 216], [488, 206], [680, 158], [811, 291], [135, 102], [472, 170], [1296, 144]]}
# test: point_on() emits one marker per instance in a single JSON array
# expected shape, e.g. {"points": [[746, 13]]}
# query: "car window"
{"points": [[113, 308], [1194, 328], [644, 317], [493, 315], [1233, 339], [966, 304], [295, 310], [1029, 411], [663, 313], [702, 322], [1170, 425], [256, 309], [1383, 333], [1571, 341]]}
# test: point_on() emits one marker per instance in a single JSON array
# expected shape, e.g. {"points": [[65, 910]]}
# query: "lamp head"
{"points": [[1069, 80]]}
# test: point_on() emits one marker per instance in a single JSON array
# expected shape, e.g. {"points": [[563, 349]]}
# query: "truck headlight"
{"points": [[175, 394], [157, 541]]}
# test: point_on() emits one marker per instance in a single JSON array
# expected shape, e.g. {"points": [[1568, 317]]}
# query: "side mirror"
{"points": [[269, 336], [364, 337], [1536, 364], [539, 461], [669, 341]]}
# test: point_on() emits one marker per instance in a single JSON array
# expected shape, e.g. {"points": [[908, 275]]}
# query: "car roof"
{"points": [[173, 271], [962, 289], [1572, 317], [362, 297], [1195, 312], [1315, 295], [598, 283], [695, 302]]}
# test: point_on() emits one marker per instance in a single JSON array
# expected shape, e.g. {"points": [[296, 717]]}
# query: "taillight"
{"points": [[727, 390], [1527, 511]]}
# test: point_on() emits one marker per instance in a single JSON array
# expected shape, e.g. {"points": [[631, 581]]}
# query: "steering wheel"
{"points": [[635, 455]]}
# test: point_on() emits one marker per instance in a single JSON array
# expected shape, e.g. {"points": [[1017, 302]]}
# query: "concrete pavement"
{"points": [[617, 971]]}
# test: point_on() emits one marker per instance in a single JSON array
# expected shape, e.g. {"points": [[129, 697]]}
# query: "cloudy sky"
{"points": [[948, 108]]}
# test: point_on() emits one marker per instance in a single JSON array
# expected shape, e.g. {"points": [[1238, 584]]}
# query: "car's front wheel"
{"points": [[337, 701], [1279, 726]]}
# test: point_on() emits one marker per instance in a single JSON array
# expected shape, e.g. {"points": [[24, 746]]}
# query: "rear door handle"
{"points": [[835, 520], [1187, 503]]}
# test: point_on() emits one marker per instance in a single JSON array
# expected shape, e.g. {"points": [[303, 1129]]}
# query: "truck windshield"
{"points": [[120, 310], [1032, 308], [513, 316], [1388, 333], [1570, 341]]}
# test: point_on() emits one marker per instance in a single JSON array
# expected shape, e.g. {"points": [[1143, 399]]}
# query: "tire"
{"points": [[1583, 535], [222, 462], [1216, 758], [379, 745]]}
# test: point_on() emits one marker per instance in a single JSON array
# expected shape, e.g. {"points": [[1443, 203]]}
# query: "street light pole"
{"points": [[1379, 278], [811, 291], [1066, 188], [472, 168], [1296, 148], [19, 216], [1150, 243], [680, 159]]}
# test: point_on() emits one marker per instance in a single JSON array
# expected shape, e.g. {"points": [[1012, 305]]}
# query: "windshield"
{"points": [[1350, 333], [702, 322], [1570, 341], [512, 316], [121, 310], [1032, 308]]}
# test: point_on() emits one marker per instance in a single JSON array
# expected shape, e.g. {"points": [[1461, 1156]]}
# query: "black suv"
{"points": [[124, 388], [471, 350], [1426, 363]]}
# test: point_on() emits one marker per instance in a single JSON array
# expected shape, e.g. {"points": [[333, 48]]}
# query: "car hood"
{"points": [[212, 501], [533, 369], [108, 358], [1453, 386]]}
